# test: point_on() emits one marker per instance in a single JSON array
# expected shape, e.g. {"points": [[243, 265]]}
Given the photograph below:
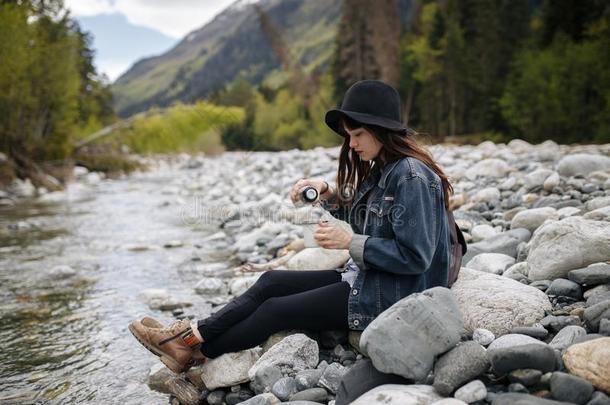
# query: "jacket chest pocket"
{"points": [[380, 217]]}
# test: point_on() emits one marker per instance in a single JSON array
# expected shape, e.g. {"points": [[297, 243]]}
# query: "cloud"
{"points": [[174, 18]]}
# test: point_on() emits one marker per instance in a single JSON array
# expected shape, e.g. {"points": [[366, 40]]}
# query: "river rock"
{"points": [[600, 214], [555, 323], [405, 338], [525, 376], [264, 378], [599, 398], [536, 179], [597, 294], [318, 395], [551, 182], [228, 369], [494, 263], [240, 285], [308, 378], [211, 285], [570, 388], [560, 246], [532, 218], [459, 365], [483, 336], [284, 388], [537, 331], [582, 163], [186, 392], [565, 288], [472, 392], [590, 361], [566, 336], [597, 273], [505, 242], [597, 203], [331, 377], [538, 356], [513, 398], [481, 232], [594, 314], [262, 399], [488, 168], [293, 354], [487, 195], [497, 303], [158, 376], [449, 401], [394, 394]]}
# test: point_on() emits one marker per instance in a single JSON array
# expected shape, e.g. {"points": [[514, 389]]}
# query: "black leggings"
{"points": [[279, 300]]}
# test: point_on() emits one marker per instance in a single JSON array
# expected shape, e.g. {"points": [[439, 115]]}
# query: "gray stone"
{"points": [[158, 376], [594, 314], [312, 394], [234, 398], [565, 288], [591, 275], [506, 243], [597, 294], [569, 388], [228, 369], [472, 392], [284, 388], [517, 387], [461, 364], [449, 401], [394, 394], [531, 219], [483, 336], [264, 378], [542, 285], [494, 263], [405, 338], [555, 323], [599, 398], [537, 332], [582, 163], [216, 397], [561, 246], [497, 303], [308, 378], [512, 340], [566, 336], [537, 356], [293, 354], [262, 399], [514, 398], [604, 327], [526, 376], [331, 377]]}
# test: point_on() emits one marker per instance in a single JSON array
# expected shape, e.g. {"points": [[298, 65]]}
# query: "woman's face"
{"points": [[362, 141]]}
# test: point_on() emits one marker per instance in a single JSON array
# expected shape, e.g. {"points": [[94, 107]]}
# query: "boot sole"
{"points": [[170, 363]]}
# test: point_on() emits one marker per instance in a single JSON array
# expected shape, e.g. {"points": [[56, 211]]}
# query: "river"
{"points": [[63, 332]]}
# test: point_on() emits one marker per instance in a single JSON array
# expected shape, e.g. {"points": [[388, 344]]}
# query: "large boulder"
{"points": [[497, 303], [293, 354], [591, 361], [405, 339], [505, 242], [568, 244], [229, 369], [582, 163], [394, 394]]}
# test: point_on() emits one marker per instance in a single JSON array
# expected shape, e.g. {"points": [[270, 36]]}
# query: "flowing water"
{"points": [[63, 333]]}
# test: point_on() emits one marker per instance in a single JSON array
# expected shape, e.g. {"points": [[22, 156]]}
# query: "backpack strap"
{"points": [[456, 233]]}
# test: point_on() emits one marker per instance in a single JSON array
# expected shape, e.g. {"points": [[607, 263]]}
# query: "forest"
{"points": [[467, 70]]}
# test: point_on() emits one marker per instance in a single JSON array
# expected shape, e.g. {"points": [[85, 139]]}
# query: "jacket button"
{"points": [[356, 322], [355, 291]]}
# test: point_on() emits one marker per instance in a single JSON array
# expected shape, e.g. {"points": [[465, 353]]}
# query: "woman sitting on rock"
{"points": [[399, 244]]}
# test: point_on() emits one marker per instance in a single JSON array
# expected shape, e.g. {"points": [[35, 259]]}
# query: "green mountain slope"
{"points": [[231, 44]]}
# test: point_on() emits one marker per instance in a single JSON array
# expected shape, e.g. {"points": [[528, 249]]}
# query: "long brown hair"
{"points": [[352, 170]]}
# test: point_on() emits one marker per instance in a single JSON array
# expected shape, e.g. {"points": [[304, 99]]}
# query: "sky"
{"points": [[125, 31]]}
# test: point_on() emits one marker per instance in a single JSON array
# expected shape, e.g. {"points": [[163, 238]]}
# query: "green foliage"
{"points": [[562, 92], [48, 86], [180, 128]]}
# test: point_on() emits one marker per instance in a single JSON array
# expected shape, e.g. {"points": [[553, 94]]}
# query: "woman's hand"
{"points": [[331, 236], [299, 185]]}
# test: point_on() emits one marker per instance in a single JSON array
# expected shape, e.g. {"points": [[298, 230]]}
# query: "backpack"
{"points": [[458, 249]]}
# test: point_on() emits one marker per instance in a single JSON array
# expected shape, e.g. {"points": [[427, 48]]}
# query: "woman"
{"points": [[399, 242]]}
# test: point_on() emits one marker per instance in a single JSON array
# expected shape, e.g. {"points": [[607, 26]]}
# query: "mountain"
{"points": [[232, 43], [111, 29]]}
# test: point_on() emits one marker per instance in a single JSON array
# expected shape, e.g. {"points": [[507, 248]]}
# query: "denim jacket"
{"points": [[405, 247]]}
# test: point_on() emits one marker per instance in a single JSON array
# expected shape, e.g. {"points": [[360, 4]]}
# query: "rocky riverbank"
{"points": [[527, 321]]}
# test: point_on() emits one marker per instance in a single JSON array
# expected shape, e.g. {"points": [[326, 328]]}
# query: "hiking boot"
{"points": [[176, 345], [151, 323]]}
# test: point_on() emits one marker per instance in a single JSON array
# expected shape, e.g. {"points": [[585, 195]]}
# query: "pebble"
{"points": [[565, 288], [538, 332], [483, 337], [472, 392], [591, 275], [526, 377], [284, 388], [569, 388], [312, 394], [461, 364]]}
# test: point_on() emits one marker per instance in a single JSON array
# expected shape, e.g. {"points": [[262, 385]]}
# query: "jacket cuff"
{"points": [[356, 249]]}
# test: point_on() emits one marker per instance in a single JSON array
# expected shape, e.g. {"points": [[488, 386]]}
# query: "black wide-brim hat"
{"points": [[370, 102]]}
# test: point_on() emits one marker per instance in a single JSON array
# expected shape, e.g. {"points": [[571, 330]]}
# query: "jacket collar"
{"points": [[368, 183], [385, 172]]}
